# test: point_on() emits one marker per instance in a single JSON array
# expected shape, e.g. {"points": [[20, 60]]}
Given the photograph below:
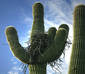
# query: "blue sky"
{"points": [[18, 13]]}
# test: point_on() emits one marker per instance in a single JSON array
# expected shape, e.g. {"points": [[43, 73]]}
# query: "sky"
{"points": [[18, 13]]}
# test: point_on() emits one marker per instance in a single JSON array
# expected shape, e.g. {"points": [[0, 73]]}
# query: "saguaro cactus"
{"points": [[77, 63], [44, 47]]}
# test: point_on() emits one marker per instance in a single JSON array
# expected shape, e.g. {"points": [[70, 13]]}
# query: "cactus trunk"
{"points": [[37, 69], [77, 63]]}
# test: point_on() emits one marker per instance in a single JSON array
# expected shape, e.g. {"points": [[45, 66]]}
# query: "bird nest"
{"points": [[38, 45]]}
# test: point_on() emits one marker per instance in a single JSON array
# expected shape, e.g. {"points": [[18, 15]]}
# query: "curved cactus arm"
{"points": [[63, 39], [65, 26], [59, 43], [15, 46], [55, 50], [38, 19], [51, 34]]}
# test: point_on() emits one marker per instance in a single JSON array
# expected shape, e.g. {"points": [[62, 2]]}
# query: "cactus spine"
{"points": [[44, 48], [77, 63]]}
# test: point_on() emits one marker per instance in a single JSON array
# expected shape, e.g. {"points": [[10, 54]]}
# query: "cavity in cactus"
{"points": [[44, 47], [77, 63]]}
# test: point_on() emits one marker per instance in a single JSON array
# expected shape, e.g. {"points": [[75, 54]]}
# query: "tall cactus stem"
{"points": [[77, 63]]}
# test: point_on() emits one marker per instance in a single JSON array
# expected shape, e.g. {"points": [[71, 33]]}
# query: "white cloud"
{"points": [[15, 62], [11, 72], [25, 39], [76, 2], [15, 69], [68, 51], [49, 24], [28, 20], [58, 11], [49, 70]]}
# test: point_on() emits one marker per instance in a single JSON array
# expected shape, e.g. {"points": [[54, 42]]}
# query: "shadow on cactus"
{"points": [[44, 47]]}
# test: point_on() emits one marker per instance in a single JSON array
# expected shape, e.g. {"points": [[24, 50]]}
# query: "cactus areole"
{"points": [[44, 47], [77, 63]]}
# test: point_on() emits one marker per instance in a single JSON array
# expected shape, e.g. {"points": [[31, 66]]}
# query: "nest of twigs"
{"points": [[38, 45]]}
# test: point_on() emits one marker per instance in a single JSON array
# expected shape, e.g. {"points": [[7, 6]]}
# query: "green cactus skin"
{"points": [[15, 46], [50, 45], [77, 63], [37, 69], [38, 19]]}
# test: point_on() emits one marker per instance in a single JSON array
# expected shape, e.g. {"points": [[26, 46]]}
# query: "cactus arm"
{"points": [[51, 34], [38, 19], [55, 50], [15, 46], [65, 26]]}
